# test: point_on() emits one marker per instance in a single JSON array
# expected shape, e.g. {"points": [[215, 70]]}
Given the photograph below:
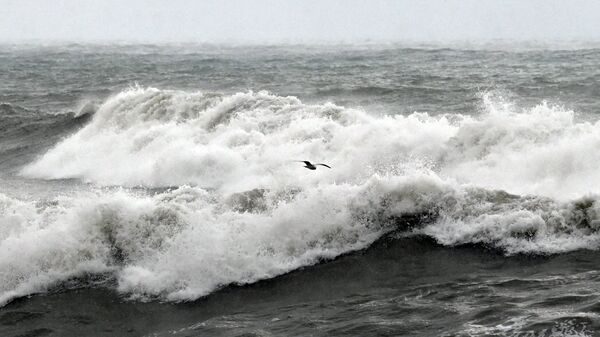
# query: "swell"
{"points": [[26, 133], [359, 91]]}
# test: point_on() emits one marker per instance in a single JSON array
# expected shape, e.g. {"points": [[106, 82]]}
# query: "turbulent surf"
{"points": [[172, 194]]}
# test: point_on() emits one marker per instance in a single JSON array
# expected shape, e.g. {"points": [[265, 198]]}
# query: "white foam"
{"points": [[164, 138], [157, 137], [185, 243], [542, 151]]}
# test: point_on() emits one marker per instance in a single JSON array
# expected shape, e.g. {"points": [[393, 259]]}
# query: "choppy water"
{"points": [[151, 190]]}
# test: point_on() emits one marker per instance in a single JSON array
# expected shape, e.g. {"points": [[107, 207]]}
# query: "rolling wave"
{"points": [[511, 179], [185, 243], [238, 142], [24, 133]]}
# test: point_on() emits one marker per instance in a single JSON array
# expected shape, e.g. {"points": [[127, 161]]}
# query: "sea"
{"points": [[159, 190]]}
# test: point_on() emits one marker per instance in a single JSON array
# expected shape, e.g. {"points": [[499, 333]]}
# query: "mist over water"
{"points": [[309, 21], [155, 175]]}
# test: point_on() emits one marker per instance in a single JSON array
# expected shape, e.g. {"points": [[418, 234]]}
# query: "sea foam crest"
{"points": [[238, 142], [517, 180], [185, 243]]}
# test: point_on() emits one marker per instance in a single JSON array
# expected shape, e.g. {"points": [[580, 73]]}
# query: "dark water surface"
{"points": [[397, 287]]}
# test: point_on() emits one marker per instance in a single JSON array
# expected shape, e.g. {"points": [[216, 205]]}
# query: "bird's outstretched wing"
{"points": [[324, 165]]}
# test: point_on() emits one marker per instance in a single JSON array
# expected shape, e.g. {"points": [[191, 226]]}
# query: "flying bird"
{"points": [[311, 166]]}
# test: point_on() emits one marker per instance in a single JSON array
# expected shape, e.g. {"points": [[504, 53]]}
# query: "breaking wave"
{"points": [[154, 137], [222, 202], [184, 243]]}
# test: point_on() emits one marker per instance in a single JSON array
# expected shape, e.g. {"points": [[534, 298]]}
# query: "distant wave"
{"points": [[25, 132], [230, 207], [358, 91], [18, 121], [8, 110]]}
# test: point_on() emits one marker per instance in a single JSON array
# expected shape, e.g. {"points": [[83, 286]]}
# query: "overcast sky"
{"points": [[297, 20]]}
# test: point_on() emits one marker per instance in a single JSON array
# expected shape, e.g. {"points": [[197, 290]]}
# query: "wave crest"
{"points": [[244, 141], [512, 179], [185, 243]]}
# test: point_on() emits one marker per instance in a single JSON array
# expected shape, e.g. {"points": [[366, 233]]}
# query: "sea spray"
{"points": [[185, 243], [238, 142], [216, 198]]}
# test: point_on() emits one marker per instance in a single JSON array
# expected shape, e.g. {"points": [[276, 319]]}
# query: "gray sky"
{"points": [[298, 21]]}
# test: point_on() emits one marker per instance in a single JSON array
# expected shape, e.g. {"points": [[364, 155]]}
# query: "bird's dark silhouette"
{"points": [[311, 166]]}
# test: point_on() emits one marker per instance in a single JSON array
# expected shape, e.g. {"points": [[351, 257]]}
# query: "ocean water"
{"points": [[155, 191]]}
